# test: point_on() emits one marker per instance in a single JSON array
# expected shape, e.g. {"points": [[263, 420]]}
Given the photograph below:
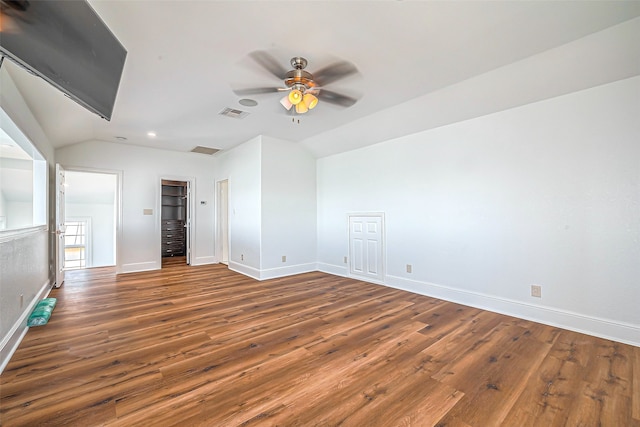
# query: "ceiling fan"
{"points": [[304, 89]]}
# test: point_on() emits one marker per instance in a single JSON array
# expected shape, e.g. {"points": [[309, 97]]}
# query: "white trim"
{"points": [[603, 328], [118, 201], [14, 337], [254, 273], [289, 270], [191, 196], [219, 250], [272, 273], [135, 267], [337, 270], [203, 260], [21, 233]]}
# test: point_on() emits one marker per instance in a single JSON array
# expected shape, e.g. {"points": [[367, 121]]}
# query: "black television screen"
{"points": [[66, 43]]}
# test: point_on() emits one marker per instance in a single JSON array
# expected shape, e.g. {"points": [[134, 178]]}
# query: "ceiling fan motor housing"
{"points": [[298, 76], [298, 62]]}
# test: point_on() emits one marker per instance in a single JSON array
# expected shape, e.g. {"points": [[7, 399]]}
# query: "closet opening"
{"points": [[175, 222]]}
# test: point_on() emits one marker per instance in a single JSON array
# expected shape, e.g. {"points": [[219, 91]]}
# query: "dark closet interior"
{"points": [[174, 215]]}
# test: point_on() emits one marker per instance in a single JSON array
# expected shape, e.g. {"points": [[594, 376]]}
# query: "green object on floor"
{"points": [[42, 312]]}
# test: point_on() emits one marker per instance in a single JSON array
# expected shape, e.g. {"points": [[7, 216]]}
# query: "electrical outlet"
{"points": [[284, 258], [345, 260], [409, 268], [241, 257], [536, 291]]}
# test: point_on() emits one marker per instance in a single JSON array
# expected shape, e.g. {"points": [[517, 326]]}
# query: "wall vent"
{"points": [[232, 112], [205, 150]]}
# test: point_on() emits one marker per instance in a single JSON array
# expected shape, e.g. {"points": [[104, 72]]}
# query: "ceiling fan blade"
{"points": [[258, 90], [333, 72], [336, 98], [269, 63]]}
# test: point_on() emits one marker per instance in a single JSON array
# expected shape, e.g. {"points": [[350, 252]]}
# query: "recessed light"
{"points": [[151, 134], [248, 102]]}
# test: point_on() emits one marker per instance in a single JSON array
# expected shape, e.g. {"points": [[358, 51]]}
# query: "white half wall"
{"points": [[547, 194], [25, 255]]}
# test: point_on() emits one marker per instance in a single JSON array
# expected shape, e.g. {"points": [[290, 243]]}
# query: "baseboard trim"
{"points": [[272, 273], [603, 328], [12, 340], [336, 270], [254, 273], [204, 260], [290, 270], [139, 266]]}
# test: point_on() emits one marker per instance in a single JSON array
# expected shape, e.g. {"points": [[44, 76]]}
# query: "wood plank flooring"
{"points": [[191, 346]]}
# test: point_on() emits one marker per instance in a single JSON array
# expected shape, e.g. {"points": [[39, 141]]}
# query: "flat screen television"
{"points": [[66, 43]]}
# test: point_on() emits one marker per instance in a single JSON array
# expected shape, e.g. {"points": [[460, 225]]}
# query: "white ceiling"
{"points": [[184, 57]]}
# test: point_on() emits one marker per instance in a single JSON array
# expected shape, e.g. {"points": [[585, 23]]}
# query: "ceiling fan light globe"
{"points": [[286, 103], [301, 108], [310, 100], [295, 96]]}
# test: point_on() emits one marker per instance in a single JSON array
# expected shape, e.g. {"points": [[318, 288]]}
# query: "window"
{"points": [[76, 245]]}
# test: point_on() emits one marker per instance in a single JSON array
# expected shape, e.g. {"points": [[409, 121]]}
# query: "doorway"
{"points": [[90, 219], [366, 247], [222, 229], [175, 217]]}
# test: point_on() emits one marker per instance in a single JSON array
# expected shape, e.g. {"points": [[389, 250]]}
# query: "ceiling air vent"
{"points": [[205, 150], [232, 112]]}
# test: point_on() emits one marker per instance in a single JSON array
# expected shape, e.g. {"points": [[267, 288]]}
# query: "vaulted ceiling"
{"points": [[185, 57]]}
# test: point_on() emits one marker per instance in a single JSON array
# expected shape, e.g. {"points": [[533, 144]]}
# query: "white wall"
{"points": [[271, 202], [547, 194], [103, 226], [272, 210], [241, 166], [142, 169], [19, 214], [25, 257], [288, 208], [3, 211]]}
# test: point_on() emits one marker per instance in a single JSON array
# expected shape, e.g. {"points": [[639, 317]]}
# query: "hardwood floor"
{"points": [[205, 346]]}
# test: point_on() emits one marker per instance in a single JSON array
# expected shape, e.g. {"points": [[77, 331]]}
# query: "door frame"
{"points": [[118, 207], [383, 244], [60, 224], [191, 214], [218, 233]]}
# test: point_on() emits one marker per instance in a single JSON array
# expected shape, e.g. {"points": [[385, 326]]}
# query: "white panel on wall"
{"points": [[366, 246]]}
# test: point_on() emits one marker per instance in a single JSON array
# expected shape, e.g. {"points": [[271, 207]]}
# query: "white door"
{"points": [[60, 225], [187, 223], [366, 247]]}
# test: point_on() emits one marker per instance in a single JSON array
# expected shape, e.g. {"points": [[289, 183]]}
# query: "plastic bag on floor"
{"points": [[42, 312]]}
